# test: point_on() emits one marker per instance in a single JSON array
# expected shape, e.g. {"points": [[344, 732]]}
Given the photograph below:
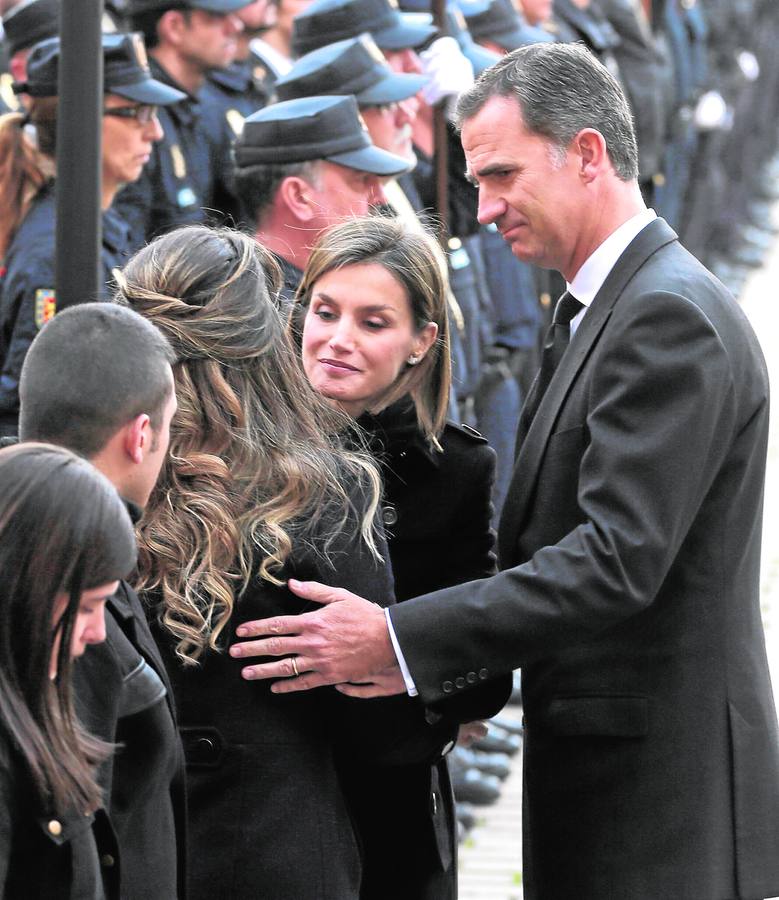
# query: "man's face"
{"points": [[390, 126], [148, 471], [258, 16], [536, 11], [533, 197], [127, 143], [339, 192], [209, 40]]}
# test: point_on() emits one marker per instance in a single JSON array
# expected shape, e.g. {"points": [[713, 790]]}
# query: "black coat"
{"points": [[268, 816], [46, 855], [123, 696], [630, 597], [437, 513]]}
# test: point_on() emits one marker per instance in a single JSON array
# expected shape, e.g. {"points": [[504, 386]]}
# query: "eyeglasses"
{"points": [[143, 113]]}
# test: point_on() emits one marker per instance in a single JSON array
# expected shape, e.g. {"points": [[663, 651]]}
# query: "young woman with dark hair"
{"points": [[65, 541], [372, 323]]}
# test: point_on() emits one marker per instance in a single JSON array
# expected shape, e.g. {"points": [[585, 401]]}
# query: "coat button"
{"points": [[389, 515], [55, 828], [483, 674], [460, 682], [471, 678], [447, 687], [107, 861]]}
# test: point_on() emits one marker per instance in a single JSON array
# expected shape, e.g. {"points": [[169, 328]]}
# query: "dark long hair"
{"points": [[63, 530]]}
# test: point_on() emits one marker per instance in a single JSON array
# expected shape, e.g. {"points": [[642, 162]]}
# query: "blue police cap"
{"points": [[134, 7], [354, 66], [326, 21], [498, 21], [29, 22], [311, 128], [126, 71]]}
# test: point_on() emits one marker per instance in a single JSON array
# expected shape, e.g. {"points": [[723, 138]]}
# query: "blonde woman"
{"points": [[257, 489]]}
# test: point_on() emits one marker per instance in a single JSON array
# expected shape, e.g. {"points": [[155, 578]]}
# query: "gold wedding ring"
{"points": [[295, 666]]}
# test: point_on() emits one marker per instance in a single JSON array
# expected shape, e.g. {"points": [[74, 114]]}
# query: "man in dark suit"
{"points": [[630, 540]]}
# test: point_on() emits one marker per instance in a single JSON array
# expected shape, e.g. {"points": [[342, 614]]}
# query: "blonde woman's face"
{"points": [[358, 335]]}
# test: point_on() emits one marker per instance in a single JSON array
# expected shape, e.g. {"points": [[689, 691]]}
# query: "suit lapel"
{"points": [[529, 456]]}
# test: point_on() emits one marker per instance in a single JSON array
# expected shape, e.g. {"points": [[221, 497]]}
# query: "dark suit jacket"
{"points": [[437, 511], [630, 543]]}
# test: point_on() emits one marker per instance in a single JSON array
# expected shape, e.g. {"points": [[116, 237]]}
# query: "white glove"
{"points": [[711, 112], [449, 71]]}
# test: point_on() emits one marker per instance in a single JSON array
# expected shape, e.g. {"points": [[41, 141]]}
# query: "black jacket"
{"points": [[268, 816], [46, 855], [437, 513]]}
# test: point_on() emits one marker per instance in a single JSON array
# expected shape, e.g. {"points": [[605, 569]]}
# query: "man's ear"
{"points": [[296, 194], [170, 26], [590, 146], [137, 438]]}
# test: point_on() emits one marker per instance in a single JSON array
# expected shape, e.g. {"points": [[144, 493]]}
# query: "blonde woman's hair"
{"points": [[25, 166], [255, 464], [417, 263]]}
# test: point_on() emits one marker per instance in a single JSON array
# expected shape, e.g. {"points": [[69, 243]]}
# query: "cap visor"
{"points": [[219, 6], [147, 91], [392, 89], [411, 31], [373, 160]]}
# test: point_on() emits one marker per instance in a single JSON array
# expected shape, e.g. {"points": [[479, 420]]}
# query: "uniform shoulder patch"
{"points": [[45, 306]]}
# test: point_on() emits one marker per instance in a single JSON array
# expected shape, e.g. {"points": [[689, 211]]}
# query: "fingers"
{"points": [[365, 691], [272, 626], [267, 647], [321, 593]]}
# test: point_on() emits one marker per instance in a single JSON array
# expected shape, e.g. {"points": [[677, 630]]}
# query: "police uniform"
{"points": [[27, 278], [28, 289]]}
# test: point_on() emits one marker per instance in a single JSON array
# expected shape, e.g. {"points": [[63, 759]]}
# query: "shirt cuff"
{"points": [[410, 686]]}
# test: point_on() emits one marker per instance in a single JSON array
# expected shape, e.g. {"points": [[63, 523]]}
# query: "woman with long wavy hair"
{"points": [[65, 540], [257, 489]]}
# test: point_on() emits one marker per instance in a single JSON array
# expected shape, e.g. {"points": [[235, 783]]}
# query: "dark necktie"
{"points": [[557, 339]]}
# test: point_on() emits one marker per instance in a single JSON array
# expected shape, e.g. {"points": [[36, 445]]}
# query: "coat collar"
{"points": [[528, 460]]}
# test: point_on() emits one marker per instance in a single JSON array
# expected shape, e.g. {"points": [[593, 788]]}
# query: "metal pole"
{"points": [[79, 147]]}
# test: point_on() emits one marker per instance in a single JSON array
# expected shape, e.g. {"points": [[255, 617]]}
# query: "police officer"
{"points": [[186, 39], [24, 24], [27, 231], [305, 164]]}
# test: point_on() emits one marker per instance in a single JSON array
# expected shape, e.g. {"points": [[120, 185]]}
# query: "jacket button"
{"points": [[471, 678], [55, 828], [460, 682], [483, 673], [389, 515], [107, 860], [447, 687]]}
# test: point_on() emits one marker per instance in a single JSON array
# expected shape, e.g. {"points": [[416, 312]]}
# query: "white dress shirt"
{"points": [[585, 285]]}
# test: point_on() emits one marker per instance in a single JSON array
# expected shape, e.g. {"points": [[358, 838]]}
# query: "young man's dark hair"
{"points": [[93, 368]]}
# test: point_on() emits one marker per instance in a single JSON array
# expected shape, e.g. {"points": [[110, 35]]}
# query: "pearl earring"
{"points": [[412, 360]]}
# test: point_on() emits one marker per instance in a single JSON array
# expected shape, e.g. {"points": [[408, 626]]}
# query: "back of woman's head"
{"points": [[417, 263], [63, 530], [254, 455], [26, 164]]}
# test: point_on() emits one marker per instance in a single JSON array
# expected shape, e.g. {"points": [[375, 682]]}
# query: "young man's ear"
{"points": [[138, 437]]}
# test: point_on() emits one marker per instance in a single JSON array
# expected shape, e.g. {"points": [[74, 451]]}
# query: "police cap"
{"points": [[498, 21], [135, 7], [325, 21], [125, 71], [354, 66], [311, 128], [29, 22]]}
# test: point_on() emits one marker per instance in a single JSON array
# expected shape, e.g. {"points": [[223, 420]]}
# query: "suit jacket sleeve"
{"points": [[661, 413]]}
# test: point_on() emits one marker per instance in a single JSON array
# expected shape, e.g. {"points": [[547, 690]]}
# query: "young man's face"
{"points": [[210, 40]]}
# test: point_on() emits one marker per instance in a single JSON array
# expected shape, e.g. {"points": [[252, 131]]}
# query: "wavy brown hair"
{"points": [[256, 464], [416, 262]]}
